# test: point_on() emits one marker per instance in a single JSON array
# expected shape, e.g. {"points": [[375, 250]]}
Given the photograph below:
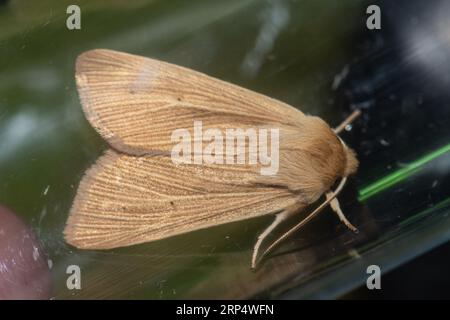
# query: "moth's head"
{"points": [[351, 163]]}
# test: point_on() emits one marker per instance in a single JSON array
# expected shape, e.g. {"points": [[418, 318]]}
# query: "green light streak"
{"points": [[399, 175]]}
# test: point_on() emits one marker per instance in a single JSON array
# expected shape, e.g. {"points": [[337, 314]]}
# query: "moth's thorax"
{"points": [[312, 158], [327, 154]]}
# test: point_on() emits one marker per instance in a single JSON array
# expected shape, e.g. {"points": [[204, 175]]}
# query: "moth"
{"points": [[135, 193]]}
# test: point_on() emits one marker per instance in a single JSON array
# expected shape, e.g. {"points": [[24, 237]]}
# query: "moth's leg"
{"points": [[280, 217], [337, 208]]}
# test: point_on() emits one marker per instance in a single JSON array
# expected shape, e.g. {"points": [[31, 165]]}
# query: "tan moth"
{"points": [[135, 193]]}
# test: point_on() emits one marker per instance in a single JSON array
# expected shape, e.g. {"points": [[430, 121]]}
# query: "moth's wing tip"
{"points": [[83, 64], [82, 60], [70, 233], [87, 63], [72, 228], [70, 237], [93, 53], [92, 60]]}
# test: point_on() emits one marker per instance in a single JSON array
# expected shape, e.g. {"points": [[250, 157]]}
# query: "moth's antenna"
{"points": [[355, 114], [305, 220]]}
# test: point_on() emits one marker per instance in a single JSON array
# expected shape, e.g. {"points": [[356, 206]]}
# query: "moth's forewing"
{"points": [[124, 200], [136, 103]]}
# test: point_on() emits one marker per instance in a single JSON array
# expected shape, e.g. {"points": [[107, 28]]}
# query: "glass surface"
{"points": [[318, 56]]}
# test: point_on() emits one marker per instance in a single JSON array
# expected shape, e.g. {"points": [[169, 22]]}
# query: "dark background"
{"points": [[426, 277]]}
